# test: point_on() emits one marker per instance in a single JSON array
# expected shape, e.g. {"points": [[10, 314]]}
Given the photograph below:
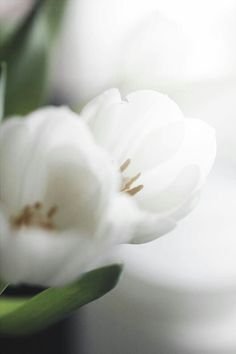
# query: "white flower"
{"points": [[68, 194], [165, 158], [55, 188]]}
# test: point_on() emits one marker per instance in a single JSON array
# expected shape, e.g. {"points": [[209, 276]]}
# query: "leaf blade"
{"points": [[54, 303]]}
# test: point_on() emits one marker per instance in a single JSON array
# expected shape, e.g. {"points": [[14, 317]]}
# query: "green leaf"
{"points": [[27, 55], [8, 305], [2, 88], [21, 316]]}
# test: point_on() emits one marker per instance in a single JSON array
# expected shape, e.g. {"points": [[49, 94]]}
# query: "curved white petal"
{"points": [[168, 185], [85, 256], [15, 152], [36, 256], [30, 255], [97, 104], [80, 186], [198, 133], [118, 124], [168, 200], [157, 146], [126, 223]]}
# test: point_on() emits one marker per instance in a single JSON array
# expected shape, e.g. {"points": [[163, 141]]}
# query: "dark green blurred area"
{"points": [[27, 51]]}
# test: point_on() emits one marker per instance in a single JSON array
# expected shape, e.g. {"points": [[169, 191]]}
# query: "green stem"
{"points": [[2, 88], [3, 286]]}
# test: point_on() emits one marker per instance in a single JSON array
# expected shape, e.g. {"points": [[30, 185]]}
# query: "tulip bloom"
{"points": [[72, 187], [169, 155]]}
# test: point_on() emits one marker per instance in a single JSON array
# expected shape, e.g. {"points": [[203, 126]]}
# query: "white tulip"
{"points": [[55, 186], [165, 157], [71, 190], [62, 203]]}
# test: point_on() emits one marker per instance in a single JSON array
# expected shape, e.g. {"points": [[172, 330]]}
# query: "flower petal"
{"points": [[15, 151], [81, 186], [173, 181], [126, 223], [118, 124], [156, 147], [32, 255], [97, 104], [172, 197]]}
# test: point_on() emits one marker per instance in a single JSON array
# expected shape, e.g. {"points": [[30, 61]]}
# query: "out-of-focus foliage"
{"points": [[27, 52], [12, 13], [2, 88]]}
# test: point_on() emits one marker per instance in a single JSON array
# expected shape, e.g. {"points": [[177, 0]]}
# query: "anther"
{"points": [[33, 215], [130, 182], [125, 165], [135, 190]]}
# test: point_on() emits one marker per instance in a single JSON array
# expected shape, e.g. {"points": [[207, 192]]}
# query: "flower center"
{"points": [[127, 185], [34, 215]]}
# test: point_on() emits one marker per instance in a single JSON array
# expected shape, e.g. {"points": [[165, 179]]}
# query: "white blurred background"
{"points": [[178, 294]]}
